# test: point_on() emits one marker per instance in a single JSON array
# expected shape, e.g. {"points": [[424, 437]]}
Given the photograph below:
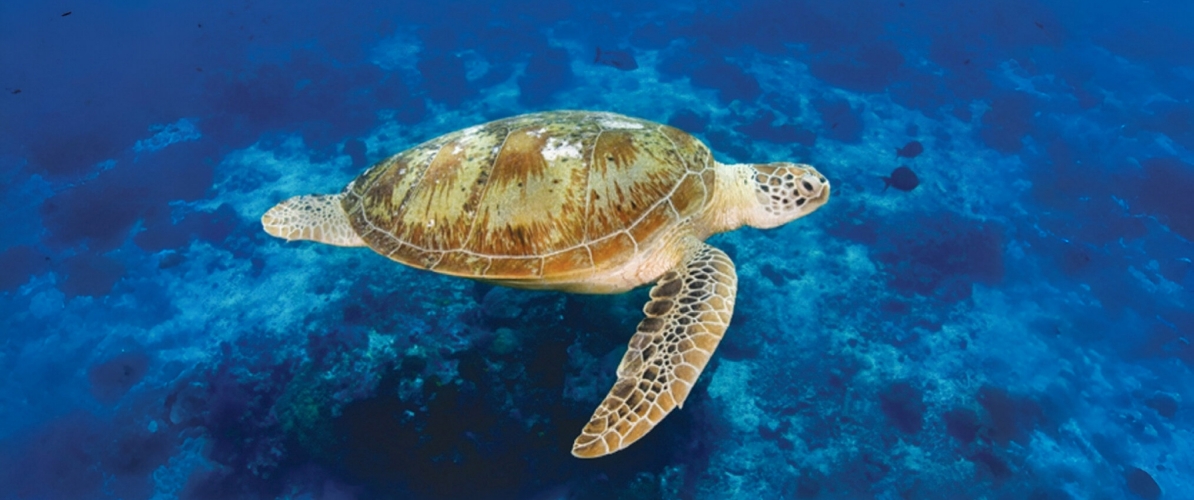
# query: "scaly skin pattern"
{"points": [[689, 311], [312, 217]]}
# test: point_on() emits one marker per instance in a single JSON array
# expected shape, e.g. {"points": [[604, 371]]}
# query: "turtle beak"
{"points": [[814, 187]]}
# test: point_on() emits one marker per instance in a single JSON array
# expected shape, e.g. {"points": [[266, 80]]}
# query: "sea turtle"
{"points": [[579, 201]]}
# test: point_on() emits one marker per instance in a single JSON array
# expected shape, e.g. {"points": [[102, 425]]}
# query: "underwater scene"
{"points": [[549, 250]]}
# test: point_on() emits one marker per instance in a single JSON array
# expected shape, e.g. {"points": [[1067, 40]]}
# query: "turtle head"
{"points": [[784, 192]]}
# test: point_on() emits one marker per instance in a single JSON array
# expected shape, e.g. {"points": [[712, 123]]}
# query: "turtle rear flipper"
{"points": [[311, 217], [690, 309]]}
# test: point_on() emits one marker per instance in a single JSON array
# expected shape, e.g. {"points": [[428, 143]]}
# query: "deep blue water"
{"points": [[1016, 326]]}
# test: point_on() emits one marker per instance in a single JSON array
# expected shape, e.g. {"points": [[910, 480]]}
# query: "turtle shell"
{"points": [[534, 196]]}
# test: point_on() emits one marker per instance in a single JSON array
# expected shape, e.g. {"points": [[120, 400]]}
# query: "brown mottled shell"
{"points": [[532, 197]]}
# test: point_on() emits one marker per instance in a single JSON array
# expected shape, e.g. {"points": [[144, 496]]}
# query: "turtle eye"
{"points": [[810, 185]]}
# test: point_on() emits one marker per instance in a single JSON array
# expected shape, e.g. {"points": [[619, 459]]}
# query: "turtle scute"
{"points": [[532, 196]]}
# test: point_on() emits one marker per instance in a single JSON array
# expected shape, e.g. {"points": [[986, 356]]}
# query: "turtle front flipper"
{"points": [[690, 309], [312, 217]]}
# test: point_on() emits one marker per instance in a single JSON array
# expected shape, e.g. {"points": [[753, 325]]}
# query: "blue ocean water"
{"points": [[997, 302]]}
